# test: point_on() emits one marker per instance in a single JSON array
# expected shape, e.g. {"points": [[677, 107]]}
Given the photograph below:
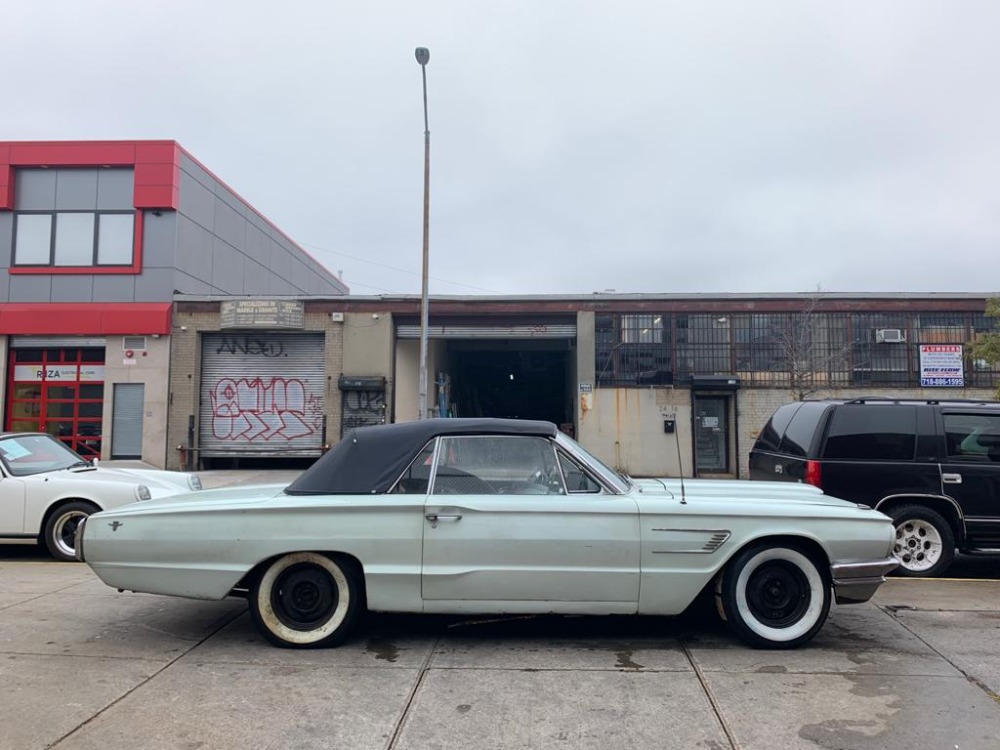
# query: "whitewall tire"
{"points": [[306, 600], [774, 596]]}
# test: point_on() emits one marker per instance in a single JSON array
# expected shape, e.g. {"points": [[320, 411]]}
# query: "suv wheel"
{"points": [[925, 543]]}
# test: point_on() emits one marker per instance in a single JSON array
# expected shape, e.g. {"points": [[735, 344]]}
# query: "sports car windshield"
{"points": [[23, 455], [610, 476]]}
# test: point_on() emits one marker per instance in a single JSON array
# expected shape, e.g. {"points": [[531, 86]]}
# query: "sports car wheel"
{"points": [[306, 600], [60, 530], [924, 544], [774, 596]]}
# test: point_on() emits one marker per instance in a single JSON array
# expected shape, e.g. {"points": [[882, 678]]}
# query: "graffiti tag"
{"points": [[251, 347], [255, 409]]}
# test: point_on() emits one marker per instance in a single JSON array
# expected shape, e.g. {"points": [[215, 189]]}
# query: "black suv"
{"points": [[932, 466]]}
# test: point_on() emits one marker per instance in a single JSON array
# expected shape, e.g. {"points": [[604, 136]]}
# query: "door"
{"points": [[502, 534], [971, 472], [711, 434], [126, 420], [11, 504]]}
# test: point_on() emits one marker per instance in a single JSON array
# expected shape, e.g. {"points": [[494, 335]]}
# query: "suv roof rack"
{"points": [[888, 399]]}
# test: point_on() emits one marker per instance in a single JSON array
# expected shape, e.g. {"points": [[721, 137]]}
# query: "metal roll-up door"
{"points": [[126, 420], [262, 394]]}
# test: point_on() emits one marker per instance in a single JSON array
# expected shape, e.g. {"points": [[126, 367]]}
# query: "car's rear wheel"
{"points": [[774, 596], [306, 600], [924, 543], [59, 535]]}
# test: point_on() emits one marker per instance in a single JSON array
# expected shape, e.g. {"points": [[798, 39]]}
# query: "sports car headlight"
{"points": [[194, 482], [142, 492]]}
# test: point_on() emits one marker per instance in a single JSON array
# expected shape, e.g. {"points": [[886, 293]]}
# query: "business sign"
{"points": [[262, 313], [55, 373], [941, 366]]}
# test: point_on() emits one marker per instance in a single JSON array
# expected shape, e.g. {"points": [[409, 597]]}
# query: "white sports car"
{"points": [[46, 490], [495, 516]]}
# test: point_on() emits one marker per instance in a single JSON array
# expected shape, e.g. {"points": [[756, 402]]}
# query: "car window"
{"points": [[802, 428], [972, 437], [416, 478], [770, 436], [578, 481], [872, 432], [27, 454], [497, 465]]}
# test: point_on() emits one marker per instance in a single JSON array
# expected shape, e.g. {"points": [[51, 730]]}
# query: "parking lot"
{"points": [[86, 667]]}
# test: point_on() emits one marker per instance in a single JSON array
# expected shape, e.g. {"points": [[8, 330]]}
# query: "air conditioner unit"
{"points": [[890, 336]]}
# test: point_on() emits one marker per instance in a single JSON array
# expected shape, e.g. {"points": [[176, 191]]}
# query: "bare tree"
{"points": [[987, 346], [812, 348]]}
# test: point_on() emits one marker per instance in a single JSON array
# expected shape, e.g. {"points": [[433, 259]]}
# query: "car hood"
{"points": [[227, 497], [741, 491], [158, 482]]}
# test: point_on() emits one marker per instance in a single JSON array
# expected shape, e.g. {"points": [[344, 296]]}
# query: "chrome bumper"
{"points": [[854, 583], [78, 542]]}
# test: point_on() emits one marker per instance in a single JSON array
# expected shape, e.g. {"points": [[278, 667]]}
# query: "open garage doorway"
{"points": [[511, 379], [490, 368]]}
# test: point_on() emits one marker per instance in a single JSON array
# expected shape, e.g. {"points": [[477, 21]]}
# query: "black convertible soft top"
{"points": [[369, 459]]}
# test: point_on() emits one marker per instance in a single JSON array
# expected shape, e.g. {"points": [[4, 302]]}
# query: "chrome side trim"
{"points": [[690, 541], [854, 583], [905, 495]]}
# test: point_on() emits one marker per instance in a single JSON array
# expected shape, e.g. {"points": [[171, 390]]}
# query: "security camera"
{"points": [[374, 316]]}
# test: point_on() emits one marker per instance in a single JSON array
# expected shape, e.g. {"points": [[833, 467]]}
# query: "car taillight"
{"points": [[813, 474]]}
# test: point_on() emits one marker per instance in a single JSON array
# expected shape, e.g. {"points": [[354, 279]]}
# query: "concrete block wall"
{"points": [[185, 381]]}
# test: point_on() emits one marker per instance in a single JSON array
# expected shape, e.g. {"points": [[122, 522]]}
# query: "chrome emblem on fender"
{"points": [[115, 524]]}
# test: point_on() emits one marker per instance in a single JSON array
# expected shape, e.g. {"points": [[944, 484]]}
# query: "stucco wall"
{"points": [[151, 368]]}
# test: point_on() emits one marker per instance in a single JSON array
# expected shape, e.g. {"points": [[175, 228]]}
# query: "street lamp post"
{"points": [[423, 57]]}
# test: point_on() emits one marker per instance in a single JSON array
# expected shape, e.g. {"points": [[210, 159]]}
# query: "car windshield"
{"points": [[23, 455], [612, 477]]}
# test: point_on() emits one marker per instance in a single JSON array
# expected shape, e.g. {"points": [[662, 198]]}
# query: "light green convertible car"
{"points": [[495, 516]]}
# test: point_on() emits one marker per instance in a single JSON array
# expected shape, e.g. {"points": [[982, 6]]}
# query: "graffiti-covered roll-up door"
{"points": [[262, 394]]}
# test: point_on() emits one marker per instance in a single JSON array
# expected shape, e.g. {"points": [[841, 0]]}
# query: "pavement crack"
{"points": [[222, 622], [716, 708], [891, 612], [397, 728]]}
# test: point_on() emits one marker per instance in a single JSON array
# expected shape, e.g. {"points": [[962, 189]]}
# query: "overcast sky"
{"points": [[575, 146]]}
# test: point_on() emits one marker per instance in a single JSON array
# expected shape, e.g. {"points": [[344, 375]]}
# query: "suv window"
{"points": [[972, 437], [770, 436], [870, 432], [802, 428]]}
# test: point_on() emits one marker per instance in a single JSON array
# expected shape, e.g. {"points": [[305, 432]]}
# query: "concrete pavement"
{"points": [[85, 667]]}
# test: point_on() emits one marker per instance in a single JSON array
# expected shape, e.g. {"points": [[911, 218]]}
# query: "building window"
{"points": [[73, 238]]}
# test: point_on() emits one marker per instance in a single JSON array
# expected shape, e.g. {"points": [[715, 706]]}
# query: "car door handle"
{"points": [[435, 517], [951, 478]]}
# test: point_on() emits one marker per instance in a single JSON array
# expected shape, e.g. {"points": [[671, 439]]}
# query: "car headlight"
{"points": [[142, 492], [194, 482]]}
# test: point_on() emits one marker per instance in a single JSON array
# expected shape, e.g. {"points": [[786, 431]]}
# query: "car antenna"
{"points": [[680, 465]]}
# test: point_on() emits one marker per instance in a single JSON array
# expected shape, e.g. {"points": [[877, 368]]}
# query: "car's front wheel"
{"points": [[306, 600], [774, 596], [59, 535], [924, 544]]}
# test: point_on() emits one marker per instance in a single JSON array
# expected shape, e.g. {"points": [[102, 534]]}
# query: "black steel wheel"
{"points": [[306, 600], [774, 596]]}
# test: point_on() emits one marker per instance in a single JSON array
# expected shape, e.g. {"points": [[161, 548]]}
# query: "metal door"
{"points": [[262, 394], [711, 433], [126, 420]]}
